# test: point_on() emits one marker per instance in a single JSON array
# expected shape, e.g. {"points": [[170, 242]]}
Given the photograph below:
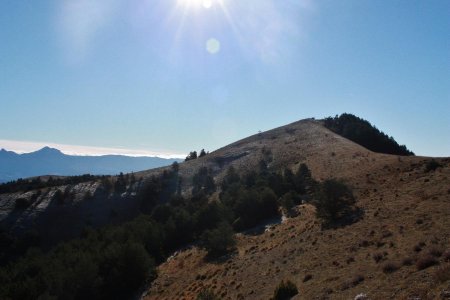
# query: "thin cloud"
{"points": [[28, 146]]}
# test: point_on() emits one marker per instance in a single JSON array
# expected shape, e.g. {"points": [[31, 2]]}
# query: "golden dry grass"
{"points": [[406, 215]]}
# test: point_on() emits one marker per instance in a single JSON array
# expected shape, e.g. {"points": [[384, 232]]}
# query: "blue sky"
{"points": [[170, 76]]}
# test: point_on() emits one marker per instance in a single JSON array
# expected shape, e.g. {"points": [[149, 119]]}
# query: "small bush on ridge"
{"points": [[390, 267], [426, 261], [207, 294], [285, 290]]}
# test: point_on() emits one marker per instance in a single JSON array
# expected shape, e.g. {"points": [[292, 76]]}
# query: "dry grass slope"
{"points": [[406, 220]]}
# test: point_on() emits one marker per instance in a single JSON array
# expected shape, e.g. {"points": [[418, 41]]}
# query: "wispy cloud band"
{"points": [[29, 146]]}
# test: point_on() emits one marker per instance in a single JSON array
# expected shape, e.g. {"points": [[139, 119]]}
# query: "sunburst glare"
{"points": [[257, 32], [196, 3]]}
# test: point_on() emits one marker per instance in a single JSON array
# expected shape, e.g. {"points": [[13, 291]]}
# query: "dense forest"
{"points": [[362, 132], [116, 260]]}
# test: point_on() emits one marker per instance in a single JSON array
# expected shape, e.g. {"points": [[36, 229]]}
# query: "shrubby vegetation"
{"points": [[432, 165], [334, 201], [108, 263], [285, 290], [22, 203], [193, 155], [257, 195], [206, 294], [12, 247], [119, 184], [114, 261], [362, 132], [220, 240], [202, 153], [203, 181]]}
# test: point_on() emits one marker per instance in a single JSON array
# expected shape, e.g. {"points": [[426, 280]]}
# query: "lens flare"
{"points": [[213, 46]]}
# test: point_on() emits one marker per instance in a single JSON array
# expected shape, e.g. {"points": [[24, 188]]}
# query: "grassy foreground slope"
{"points": [[399, 249]]}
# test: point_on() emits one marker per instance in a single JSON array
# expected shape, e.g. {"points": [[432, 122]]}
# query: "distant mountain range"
{"points": [[50, 161]]}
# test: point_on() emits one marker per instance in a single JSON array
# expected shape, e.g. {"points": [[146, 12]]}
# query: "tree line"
{"points": [[362, 132], [193, 155]]}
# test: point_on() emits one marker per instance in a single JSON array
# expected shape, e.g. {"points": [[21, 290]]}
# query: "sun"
{"points": [[189, 10], [196, 3]]}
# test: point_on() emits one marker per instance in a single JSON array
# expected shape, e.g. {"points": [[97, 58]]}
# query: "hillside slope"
{"points": [[406, 216], [307, 141]]}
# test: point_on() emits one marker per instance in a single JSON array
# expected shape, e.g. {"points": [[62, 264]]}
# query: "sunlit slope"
{"points": [[307, 141], [406, 217]]}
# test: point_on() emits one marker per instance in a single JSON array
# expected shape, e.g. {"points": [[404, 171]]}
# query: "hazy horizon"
{"points": [[172, 76], [21, 147]]}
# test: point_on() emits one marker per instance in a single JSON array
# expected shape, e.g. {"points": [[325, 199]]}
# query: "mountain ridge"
{"points": [[52, 161]]}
